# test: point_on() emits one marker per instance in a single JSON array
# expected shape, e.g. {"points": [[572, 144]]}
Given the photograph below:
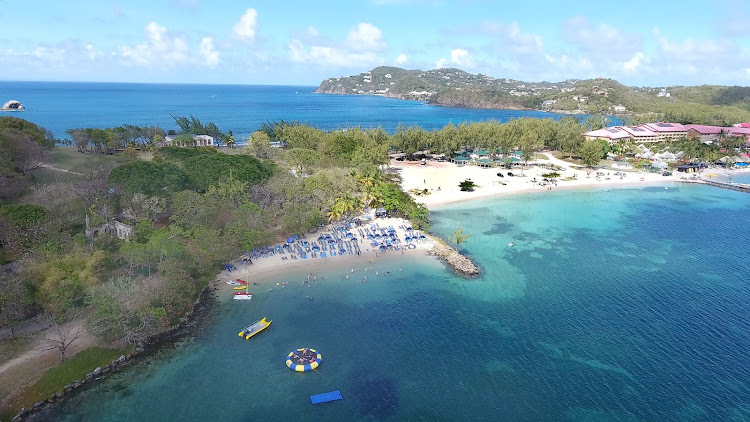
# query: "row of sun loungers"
{"points": [[343, 239]]}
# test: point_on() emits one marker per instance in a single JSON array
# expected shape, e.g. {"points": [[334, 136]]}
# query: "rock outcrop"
{"points": [[12, 105], [460, 263]]}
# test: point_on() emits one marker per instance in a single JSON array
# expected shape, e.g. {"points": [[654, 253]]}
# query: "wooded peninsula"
{"points": [[706, 104]]}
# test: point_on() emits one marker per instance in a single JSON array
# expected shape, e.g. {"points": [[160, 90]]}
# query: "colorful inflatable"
{"points": [[303, 360]]}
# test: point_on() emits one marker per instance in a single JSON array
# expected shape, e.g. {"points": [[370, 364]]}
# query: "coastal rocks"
{"points": [[460, 263], [12, 105], [45, 410]]}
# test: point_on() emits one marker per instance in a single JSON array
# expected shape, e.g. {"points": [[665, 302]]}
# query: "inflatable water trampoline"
{"points": [[303, 360]]}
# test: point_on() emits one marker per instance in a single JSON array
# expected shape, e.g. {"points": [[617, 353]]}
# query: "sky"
{"points": [[638, 42]]}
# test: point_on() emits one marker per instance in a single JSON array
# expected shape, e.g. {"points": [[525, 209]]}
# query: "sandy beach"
{"points": [[261, 269], [442, 179]]}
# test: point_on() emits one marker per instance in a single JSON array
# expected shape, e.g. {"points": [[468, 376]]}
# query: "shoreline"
{"points": [[262, 269], [441, 180]]}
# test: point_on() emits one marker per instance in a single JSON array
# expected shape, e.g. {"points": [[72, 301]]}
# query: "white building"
{"points": [[198, 141]]}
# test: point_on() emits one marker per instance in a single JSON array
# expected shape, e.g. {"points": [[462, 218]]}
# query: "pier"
{"points": [[739, 187]]}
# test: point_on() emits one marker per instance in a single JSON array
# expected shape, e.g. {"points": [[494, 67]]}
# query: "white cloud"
{"points": [[245, 29], [402, 58], [331, 56], [361, 48], [365, 37], [513, 38], [633, 64], [209, 54], [605, 41], [459, 57], [160, 47]]}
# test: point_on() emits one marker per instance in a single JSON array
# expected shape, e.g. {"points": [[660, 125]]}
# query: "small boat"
{"points": [[254, 328], [241, 281], [511, 244], [233, 283], [240, 288], [242, 296]]}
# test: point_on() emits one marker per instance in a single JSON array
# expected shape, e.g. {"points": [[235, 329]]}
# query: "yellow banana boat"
{"points": [[254, 328]]}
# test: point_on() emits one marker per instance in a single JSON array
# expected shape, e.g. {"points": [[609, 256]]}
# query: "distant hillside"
{"points": [[456, 88]]}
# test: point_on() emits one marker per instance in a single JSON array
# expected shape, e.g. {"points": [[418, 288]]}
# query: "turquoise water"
{"points": [[59, 106], [621, 305]]}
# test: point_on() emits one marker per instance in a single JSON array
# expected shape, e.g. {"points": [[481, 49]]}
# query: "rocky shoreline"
{"points": [[460, 263], [44, 409]]}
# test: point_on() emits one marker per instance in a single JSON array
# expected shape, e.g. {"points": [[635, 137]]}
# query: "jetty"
{"points": [[739, 187], [460, 263]]}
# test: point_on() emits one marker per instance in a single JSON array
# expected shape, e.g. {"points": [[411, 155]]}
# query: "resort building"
{"points": [[656, 132], [183, 141], [668, 131], [611, 134], [711, 134], [642, 134]]}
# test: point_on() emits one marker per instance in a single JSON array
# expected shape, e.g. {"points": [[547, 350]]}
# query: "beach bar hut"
{"points": [[461, 160], [485, 162]]}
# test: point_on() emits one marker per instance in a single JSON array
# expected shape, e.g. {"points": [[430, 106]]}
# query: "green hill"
{"points": [[457, 88]]}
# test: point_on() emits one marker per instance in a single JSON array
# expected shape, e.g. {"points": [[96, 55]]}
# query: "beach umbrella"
{"points": [[290, 240]]}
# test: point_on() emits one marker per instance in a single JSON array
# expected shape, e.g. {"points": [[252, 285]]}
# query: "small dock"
{"points": [[739, 187]]}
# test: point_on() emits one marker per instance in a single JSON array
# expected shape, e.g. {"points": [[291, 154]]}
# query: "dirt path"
{"points": [[22, 371], [51, 167]]}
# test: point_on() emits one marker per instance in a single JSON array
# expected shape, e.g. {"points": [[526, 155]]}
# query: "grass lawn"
{"points": [[45, 176], [70, 159], [71, 370], [10, 349]]}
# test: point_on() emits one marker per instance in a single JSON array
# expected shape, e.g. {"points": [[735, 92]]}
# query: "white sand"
{"points": [[446, 177], [259, 272]]}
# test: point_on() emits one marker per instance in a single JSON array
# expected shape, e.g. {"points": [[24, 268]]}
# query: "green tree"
{"points": [[15, 302], [301, 159], [591, 153], [259, 144], [459, 237], [467, 186]]}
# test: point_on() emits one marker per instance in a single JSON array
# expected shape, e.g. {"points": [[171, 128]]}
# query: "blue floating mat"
{"points": [[326, 397]]}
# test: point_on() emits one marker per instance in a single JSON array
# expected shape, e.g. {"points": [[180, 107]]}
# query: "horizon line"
{"points": [[151, 83]]}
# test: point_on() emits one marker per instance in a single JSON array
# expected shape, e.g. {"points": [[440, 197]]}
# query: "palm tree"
{"points": [[366, 182], [347, 204], [333, 215], [369, 199]]}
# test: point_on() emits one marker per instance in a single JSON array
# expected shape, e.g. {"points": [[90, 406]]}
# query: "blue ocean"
{"points": [[59, 106], [613, 305]]}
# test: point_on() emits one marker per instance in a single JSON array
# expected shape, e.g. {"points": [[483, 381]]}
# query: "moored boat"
{"points": [[242, 296]]}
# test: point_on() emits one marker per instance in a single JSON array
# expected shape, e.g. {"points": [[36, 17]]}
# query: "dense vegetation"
{"points": [[719, 105], [193, 209]]}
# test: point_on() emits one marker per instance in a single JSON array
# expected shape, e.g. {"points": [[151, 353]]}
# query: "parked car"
{"points": [[500, 175], [510, 173]]}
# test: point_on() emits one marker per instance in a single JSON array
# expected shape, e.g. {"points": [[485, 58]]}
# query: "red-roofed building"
{"points": [[668, 131]]}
